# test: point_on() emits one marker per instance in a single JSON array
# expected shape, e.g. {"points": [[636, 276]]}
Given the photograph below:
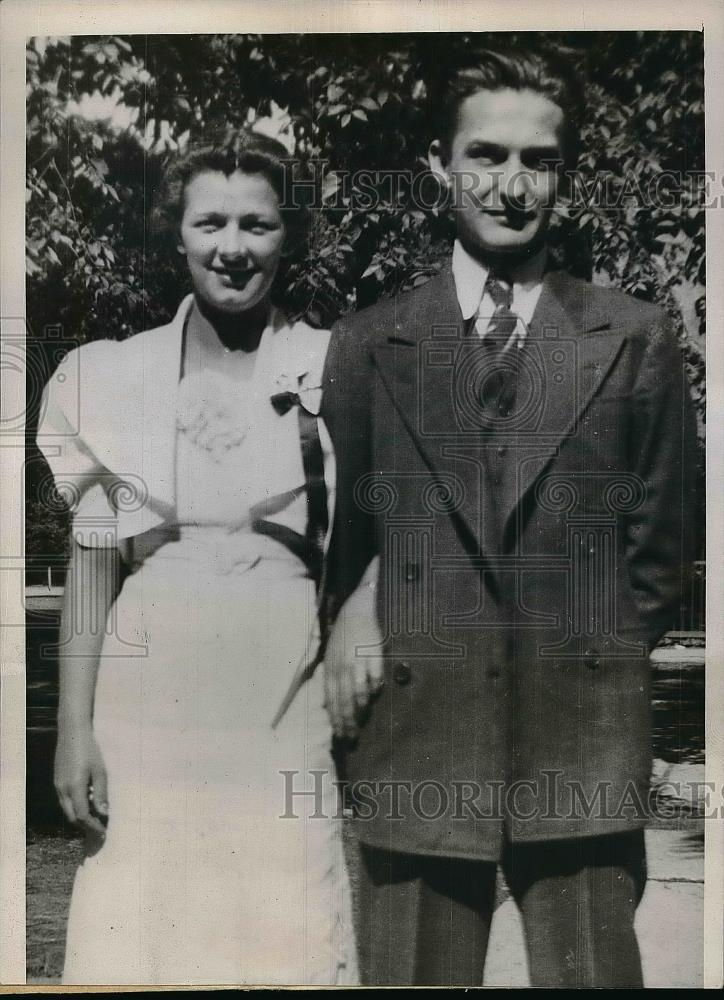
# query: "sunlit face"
{"points": [[232, 235], [501, 169]]}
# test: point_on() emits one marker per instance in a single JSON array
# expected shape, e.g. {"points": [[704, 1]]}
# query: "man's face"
{"points": [[502, 170]]}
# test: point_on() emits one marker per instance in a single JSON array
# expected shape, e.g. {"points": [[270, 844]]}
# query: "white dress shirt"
{"points": [[471, 277]]}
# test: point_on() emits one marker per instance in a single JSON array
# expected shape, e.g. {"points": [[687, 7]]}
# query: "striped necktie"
{"points": [[502, 324], [498, 336]]}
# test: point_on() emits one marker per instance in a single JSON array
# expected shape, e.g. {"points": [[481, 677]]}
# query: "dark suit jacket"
{"points": [[527, 565]]}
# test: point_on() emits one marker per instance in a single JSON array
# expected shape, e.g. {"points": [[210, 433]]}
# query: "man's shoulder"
{"points": [[620, 307], [384, 318]]}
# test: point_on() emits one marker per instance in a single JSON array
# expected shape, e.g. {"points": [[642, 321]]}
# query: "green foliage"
{"points": [[358, 102], [46, 533]]}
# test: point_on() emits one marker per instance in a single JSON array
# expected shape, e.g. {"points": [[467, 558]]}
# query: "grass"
{"points": [[51, 866]]}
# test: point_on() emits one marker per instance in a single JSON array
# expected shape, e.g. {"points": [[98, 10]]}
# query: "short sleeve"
{"points": [[80, 477]]}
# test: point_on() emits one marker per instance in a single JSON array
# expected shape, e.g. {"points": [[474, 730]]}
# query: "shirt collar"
{"points": [[471, 275]]}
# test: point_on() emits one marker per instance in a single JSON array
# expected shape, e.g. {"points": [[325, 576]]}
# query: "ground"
{"points": [[669, 920]]}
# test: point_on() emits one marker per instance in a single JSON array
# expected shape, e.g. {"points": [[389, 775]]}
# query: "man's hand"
{"points": [[351, 680], [80, 780]]}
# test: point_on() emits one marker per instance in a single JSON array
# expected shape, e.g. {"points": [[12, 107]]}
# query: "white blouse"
{"points": [[132, 447]]}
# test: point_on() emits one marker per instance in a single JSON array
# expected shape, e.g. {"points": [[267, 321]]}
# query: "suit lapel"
{"points": [[415, 364], [420, 391], [567, 324], [416, 367]]}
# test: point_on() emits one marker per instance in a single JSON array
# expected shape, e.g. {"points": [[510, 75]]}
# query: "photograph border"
{"points": [[20, 19]]}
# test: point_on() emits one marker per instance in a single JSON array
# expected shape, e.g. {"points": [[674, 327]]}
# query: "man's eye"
{"points": [[485, 155], [540, 161]]}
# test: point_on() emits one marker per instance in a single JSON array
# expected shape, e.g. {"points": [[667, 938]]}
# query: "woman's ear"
{"points": [[437, 160]]}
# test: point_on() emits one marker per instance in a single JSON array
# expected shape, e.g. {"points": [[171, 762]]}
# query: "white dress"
{"points": [[215, 869]]}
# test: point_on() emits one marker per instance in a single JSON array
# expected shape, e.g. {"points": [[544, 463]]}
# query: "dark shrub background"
{"points": [[358, 102]]}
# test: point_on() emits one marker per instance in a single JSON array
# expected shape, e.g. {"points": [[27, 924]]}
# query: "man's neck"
{"points": [[521, 267]]}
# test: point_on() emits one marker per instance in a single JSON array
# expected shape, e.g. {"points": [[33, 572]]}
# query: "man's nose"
{"points": [[517, 187], [231, 244]]}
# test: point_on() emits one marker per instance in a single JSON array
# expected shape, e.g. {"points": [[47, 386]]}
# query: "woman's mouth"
{"points": [[235, 276]]}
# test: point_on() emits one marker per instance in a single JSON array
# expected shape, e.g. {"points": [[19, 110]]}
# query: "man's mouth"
{"points": [[511, 218]]}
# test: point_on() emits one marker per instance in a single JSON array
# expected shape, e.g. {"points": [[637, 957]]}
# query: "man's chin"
{"points": [[506, 242]]}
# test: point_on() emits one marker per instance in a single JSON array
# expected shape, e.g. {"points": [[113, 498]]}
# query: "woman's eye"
{"points": [[261, 228]]}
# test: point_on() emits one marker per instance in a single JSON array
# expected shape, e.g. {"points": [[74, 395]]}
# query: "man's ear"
{"points": [[437, 161]]}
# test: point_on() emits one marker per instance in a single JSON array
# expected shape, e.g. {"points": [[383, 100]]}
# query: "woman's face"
{"points": [[232, 236]]}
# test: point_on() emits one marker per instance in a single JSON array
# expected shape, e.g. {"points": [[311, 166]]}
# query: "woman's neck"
{"points": [[223, 332], [223, 343]]}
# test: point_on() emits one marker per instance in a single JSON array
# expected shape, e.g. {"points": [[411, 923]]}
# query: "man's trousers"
{"points": [[425, 920]]}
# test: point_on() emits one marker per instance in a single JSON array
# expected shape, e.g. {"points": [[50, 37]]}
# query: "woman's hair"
{"points": [[226, 152], [515, 68]]}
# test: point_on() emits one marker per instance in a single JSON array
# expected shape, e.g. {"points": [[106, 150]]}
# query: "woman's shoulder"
{"points": [[301, 346], [97, 360], [94, 355], [313, 335]]}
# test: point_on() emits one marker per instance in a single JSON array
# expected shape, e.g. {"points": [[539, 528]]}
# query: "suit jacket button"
{"points": [[401, 672]]}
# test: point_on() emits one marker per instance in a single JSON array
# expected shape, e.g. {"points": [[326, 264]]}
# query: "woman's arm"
{"points": [[92, 584]]}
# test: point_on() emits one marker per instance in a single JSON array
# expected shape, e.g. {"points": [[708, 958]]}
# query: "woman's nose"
{"points": [[231, 244]]}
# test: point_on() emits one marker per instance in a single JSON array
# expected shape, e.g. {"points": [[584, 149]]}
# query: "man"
{"points": [[515, 463]]}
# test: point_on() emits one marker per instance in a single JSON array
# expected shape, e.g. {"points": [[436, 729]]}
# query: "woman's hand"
{"points": [[352, 678], [80, 780], [91, 585]]}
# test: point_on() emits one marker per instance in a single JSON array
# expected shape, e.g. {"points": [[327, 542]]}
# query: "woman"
{"points": [[201, 469]]}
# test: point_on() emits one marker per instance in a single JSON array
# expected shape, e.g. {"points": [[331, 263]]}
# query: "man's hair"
{"points": [[515, 69]]}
